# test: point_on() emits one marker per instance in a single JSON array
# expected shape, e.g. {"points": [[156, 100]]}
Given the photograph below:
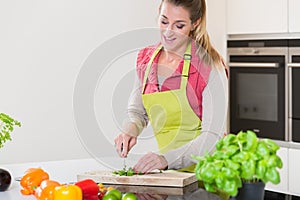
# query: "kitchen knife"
{"points": [[124, 159]]}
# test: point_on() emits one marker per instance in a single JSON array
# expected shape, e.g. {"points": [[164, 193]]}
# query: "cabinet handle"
{"points": [[241, 64]]}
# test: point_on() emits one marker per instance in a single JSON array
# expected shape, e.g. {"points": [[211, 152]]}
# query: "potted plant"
{"points": [[240, 162], [7, 125]]}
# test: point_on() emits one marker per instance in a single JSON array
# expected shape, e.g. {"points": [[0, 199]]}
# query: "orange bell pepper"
{"points": [[32, 179], [46, 190], [67, 192]]}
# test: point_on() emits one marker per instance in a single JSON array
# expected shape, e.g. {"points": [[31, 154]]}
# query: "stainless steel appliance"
{"points": [[294, 92], [258, 87]]}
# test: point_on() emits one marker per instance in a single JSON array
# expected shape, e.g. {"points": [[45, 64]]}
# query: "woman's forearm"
{"points": [[137, 118]]}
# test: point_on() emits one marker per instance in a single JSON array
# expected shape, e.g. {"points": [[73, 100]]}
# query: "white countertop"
{"points": [[64, 171], [14, 193]]}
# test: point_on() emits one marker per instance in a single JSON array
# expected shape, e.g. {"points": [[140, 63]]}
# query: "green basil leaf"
{"points": [[261, 169], [230, 186], [272, 175], [263, 150], [209, 187], [248, 169], [229, 139], [232, 165]]}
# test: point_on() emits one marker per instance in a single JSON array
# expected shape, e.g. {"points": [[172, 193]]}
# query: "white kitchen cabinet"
{"points": [[283, 185], [257, 16], [216, 24], [294, 16], [294, 175]]}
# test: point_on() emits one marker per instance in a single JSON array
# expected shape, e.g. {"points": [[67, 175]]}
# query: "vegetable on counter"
{"points": [[114, 192], [129, 196], [36, 181], [32, 179], [89, 188], [46, 190], [68, 192], [5, 179]]}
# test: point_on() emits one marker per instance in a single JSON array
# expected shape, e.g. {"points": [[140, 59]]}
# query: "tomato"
{"points": [[101, 195], [110, 197], [129, 196], [115, 192]]}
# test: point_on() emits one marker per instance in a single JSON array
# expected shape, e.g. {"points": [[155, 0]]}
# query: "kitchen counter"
{"points": [[14, 194], [64, 171], [67, 171]]}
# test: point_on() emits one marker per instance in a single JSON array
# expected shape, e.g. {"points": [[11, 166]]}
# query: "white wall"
{"points": [[43, 45]]}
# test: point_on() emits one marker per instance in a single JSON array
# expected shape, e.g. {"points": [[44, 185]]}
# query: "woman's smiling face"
{"points": [[175, 26]]}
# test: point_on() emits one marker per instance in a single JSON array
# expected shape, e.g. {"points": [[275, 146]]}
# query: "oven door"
{"points": [[257, 98], [294, 105]]}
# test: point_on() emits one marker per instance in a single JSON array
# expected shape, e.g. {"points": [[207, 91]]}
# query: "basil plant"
{"points": [[237, 159]]}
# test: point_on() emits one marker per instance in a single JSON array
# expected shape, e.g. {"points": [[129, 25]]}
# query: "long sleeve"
{"points": [[214, 120], [137, 118]]}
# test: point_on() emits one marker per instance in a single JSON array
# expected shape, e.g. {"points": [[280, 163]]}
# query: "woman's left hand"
{"points": [[150, 162]]}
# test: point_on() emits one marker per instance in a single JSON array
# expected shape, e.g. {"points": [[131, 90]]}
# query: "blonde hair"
{"points": [[205, 50]]}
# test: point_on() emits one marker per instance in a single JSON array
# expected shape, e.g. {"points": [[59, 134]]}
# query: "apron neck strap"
{"points": [[149, 67], [186, 65]]}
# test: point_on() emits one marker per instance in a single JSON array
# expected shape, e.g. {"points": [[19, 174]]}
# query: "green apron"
{"points": [[173, 120]]}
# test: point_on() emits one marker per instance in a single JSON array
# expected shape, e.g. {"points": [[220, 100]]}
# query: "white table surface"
{"points": [[65, 171]]}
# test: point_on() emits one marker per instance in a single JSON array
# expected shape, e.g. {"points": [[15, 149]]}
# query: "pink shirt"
{"points": [[197, 81]]}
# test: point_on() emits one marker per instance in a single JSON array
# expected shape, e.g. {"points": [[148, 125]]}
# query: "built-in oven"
{"points": [[294, 92], [257, 87]]}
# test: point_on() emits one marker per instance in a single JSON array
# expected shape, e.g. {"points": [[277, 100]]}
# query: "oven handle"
{"points": [[291, 65], [241, 64]]}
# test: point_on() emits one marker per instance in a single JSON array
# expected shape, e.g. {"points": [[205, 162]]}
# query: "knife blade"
{"points": [[124, 163], [124, 159]]}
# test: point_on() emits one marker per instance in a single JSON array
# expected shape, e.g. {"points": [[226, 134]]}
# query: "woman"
{"points": [[182, 91]]}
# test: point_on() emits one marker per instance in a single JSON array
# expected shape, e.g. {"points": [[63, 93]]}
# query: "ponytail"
{"points": [[205, 50]]}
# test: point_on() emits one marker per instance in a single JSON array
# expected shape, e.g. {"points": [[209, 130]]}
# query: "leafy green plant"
{"points": [[7, 125], [237, 159]]}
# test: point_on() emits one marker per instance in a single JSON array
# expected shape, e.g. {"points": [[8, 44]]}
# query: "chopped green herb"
{"points": [[127, 172]]}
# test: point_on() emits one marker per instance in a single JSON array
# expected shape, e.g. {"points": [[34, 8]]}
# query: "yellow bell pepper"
{"points": [[67, 192]]}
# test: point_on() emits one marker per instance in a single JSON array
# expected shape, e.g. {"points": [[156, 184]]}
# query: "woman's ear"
{"points": [[196, 23]]}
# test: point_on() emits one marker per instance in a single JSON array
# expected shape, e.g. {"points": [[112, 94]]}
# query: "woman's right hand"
{"points": [[124, 143]]}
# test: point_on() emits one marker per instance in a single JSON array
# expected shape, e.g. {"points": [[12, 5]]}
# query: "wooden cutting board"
{"points": [[166, 178]]}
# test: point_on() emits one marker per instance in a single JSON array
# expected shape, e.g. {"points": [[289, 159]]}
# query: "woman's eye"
{"points": [[163, 22], [180, 26]]}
